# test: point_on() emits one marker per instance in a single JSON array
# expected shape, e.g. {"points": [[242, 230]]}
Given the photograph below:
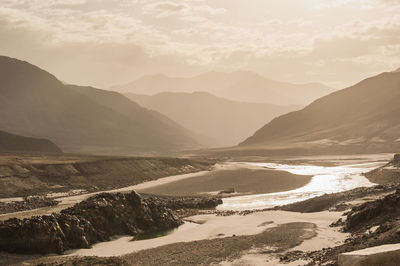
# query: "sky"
{"points": [[107, 42]]}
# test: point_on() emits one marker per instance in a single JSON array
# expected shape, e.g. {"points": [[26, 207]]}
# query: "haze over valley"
{"points": [[239, 86], [222, 122]]}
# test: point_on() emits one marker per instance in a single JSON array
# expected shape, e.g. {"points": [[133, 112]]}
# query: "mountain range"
{"points": [[239, 86], [223, 122], [34, 103], [362, 118]]}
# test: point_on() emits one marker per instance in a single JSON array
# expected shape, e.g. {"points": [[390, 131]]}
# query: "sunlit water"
{"points": [[324, 180]]}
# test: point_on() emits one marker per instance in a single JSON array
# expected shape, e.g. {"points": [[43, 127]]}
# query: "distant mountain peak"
{"points": [[240, 85]]}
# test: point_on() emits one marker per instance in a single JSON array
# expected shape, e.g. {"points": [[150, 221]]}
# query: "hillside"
{"points": [[24, 175], [223, 121], [81, 119], [14, 143], [364, 118], [240, 86]]}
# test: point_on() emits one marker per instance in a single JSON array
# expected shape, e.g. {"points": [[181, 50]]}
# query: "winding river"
{"points": [[342, 175]]}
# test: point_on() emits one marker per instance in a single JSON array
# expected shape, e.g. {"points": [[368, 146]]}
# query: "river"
{"points": [[342, 176]]}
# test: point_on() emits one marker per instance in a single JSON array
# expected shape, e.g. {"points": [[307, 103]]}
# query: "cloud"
{"points": [[118, 40], [163, 9], [186, 9]]}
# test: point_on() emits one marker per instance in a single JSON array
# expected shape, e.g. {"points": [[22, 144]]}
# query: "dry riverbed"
{"points": [[216, 239]]}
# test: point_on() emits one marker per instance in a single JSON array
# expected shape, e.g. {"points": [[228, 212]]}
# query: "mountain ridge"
{"points": [[34, 102], [369, 120], [239, 86]]}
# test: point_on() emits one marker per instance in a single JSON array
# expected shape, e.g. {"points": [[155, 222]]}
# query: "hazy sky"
{"points": [[106, 42]]}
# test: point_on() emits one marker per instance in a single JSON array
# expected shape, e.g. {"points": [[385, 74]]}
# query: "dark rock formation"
{"points": [[29, 203], [93, 220], [335, 201], [186, 206], [192, 203], [374, 213], [371, 224]]}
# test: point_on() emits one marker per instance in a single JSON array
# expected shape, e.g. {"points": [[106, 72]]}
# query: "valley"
{"points": [[230, 133]]}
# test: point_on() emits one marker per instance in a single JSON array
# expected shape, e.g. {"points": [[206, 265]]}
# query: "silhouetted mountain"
{"points": [[240, 86], [81, 119], [225, 122], [11, 143], [364, 117]]}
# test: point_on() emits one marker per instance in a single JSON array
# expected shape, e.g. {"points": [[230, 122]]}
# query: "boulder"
{"points": [[388, 255]]}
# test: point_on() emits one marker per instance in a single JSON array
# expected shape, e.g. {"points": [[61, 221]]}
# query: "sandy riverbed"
{"points": [[212, 226]]}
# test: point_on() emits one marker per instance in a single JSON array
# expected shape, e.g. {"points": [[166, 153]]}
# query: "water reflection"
{"points": [[325, 180]]}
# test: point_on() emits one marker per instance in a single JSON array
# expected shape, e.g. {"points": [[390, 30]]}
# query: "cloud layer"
{"points": [[105, 42]]}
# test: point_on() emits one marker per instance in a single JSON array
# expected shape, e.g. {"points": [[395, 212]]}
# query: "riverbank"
{"points": [[40, 175]]}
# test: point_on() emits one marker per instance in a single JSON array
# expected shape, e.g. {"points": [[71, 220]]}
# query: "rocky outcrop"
{"points": [[93, 220], [374, 213], [192, 203], [28, 203], [370, 224], [389, 173], [335, 201], [186, 206]]}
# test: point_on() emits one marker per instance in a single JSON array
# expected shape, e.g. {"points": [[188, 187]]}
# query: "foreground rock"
{"points": [[374, 213], [93, 220], [388, 255], [371, 224]]}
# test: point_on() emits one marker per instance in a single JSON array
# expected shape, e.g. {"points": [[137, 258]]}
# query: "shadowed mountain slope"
{"points": [[81, 119], [10, 143], [364, 117], [240, 86], [225, 122]]}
